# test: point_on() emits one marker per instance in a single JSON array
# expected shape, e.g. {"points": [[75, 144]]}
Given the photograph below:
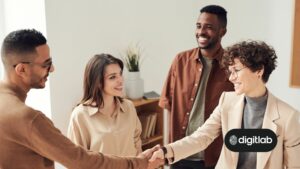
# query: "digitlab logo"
{"points": [[233, 140], [250, 140]]}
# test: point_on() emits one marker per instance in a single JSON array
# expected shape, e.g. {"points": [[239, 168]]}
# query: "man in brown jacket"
{"points": [[194, 85], [28, 139]]}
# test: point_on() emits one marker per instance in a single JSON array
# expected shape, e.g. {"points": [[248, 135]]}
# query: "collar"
{"points": [[119, 108], [217, 56]]}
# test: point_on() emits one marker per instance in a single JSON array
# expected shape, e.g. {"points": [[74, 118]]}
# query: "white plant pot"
{"points": [[134, 85]]}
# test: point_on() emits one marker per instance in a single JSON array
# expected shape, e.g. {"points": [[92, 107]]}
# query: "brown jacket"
{"points": [[180, 90], [28, 139]]}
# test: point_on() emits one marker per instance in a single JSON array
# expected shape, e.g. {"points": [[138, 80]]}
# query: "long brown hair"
{"points": [[93, 81]]}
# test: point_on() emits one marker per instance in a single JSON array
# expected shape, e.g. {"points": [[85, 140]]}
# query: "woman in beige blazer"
{"points": [[251, 106]]}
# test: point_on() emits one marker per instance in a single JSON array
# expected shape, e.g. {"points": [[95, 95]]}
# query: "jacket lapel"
{"points": [[235, 122], [271, 115]]}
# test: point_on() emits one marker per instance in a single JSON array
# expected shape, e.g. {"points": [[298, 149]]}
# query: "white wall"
{"points": [[281, 39], [1, 33]]}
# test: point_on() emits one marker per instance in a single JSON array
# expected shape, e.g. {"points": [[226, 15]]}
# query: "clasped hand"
{"points": [[155, 157]]}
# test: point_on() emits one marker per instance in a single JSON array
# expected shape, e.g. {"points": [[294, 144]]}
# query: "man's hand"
{"points": [[158, 154], [148, 154], [155, 164]]}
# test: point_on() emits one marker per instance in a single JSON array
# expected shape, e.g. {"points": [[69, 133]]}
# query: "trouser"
{"points": [[188, 164]]}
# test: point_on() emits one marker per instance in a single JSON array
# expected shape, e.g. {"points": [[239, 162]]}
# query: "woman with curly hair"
{"points": [[251, 106]]}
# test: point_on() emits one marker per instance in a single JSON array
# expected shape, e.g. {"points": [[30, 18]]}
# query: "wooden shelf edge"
{"points": [[151, 139], [141, 102]]}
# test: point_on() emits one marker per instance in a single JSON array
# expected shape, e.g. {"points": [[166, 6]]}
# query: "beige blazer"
{"points": [[279, 117]]}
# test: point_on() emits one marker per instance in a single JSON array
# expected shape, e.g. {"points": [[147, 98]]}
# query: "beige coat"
{"points": [[279, 117]]}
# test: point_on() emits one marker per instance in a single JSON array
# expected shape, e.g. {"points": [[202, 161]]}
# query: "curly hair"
{"points": [[256, 55]]}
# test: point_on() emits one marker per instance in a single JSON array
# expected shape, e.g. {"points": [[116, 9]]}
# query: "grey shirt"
{"points": [[197, 114], [254, 112]]}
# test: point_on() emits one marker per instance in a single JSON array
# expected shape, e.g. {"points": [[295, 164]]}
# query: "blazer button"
{"points": [[183, 128]]}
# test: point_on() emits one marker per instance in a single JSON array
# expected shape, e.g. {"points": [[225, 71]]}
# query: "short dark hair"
{"points": [[256, 55], [217, 10], [22, 42], [93, 80]]}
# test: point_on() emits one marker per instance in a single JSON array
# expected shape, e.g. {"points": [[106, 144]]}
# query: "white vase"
{"points": [[134, 85]]}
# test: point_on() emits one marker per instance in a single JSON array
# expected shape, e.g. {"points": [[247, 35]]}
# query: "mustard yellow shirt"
{"points": [[116, 134]]}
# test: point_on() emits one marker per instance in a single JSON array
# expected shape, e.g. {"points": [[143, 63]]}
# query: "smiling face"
{"points": [[113, 80], [40, 67], [209, 31], [244, 80]]}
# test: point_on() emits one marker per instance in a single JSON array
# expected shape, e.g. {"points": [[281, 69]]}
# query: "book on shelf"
{"points": [[154, 125], [151, 125], [145, 123], [148, 121], [151, 95]]}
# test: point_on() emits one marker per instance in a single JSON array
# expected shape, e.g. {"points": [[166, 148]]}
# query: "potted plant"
{"points": [[132, 58], [134, 84]]}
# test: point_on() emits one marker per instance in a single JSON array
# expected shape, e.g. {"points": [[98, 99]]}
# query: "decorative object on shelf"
{"points": [[151, 95], [134, 84]]}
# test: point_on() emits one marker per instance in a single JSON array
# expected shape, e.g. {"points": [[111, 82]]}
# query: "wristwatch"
{"points": [[165, 151]]}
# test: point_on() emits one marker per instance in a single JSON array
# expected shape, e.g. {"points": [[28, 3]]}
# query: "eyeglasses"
{"points": [[47, 65], [234, 72]]}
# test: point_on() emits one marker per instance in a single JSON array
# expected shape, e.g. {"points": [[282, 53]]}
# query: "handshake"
{"points": [[155, 156]]}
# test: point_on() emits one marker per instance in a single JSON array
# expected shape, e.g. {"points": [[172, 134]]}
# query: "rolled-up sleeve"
{"points": [[169, 87], [137, 134]]}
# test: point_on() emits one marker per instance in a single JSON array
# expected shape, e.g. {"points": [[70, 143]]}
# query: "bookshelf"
{"points": [[147, 108]]}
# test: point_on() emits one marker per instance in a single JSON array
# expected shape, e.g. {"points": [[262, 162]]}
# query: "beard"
{"points": [[38, 82], [209, 45], [211, 42]]}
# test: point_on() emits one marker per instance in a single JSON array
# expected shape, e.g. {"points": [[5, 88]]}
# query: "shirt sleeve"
{"points": [[77, 132], [48, 142], [137, 134], [169, 87]]}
